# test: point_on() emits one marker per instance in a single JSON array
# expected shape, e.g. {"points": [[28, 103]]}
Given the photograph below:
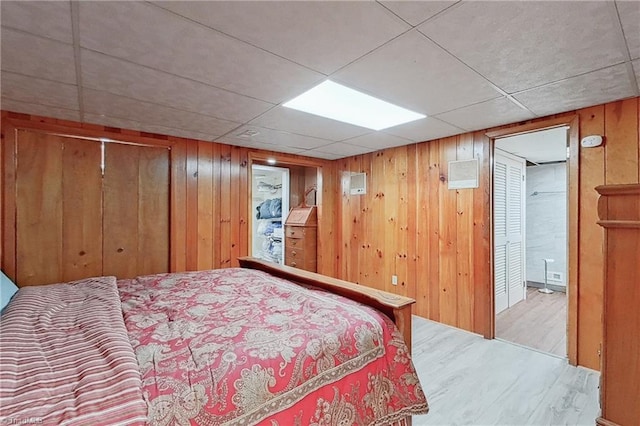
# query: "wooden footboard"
{"points": [[398, 308]]}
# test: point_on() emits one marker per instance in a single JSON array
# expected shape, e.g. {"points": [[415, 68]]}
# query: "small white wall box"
{"points": [[463, 174], [358, 183], [591, 141]]}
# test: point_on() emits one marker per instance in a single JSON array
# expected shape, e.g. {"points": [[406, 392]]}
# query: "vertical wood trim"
{"points": [[178, 213], [484, 316], [245, 204], [590, 241], [192, 206], [421, 255], [215, 254], [235, 212], [225, 208], [447, 241], [377, 277], [389, 228], [464, 242], [433, 226], [205, 216], [411, 224], [573, 253], [343, 253], [9, 149]]}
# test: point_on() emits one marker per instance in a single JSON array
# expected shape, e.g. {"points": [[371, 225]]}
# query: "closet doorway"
{"points": [[531, 239], [270, 206]]}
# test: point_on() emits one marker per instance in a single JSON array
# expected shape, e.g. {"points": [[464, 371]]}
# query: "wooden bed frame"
{"points": [[396, 307]]}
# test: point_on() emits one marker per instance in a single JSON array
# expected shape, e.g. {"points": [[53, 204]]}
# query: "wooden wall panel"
{"points": [[153, 210], [592, 174], [39, 222], [120, 211], [81, 209], [452, 247], [205, 200], [225, 240]]}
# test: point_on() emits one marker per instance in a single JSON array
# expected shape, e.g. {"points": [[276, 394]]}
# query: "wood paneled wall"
{"points": [[209, 193], [408, 224], [438, 241]]}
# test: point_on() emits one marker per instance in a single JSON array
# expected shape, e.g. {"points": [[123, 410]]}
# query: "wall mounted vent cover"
{"points": [[358, 183]]}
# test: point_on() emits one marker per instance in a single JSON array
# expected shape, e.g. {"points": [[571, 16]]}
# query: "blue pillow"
{"points": [[7, 290]]}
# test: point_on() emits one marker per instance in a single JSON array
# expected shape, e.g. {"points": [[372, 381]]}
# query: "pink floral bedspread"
{"points": [[239, 346]]}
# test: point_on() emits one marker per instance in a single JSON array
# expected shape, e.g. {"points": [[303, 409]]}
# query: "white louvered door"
{"points": [[508, 216]]}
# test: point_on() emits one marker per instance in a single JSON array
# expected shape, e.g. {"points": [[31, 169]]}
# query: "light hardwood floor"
{"points": [[539, 322], [469, 380]]}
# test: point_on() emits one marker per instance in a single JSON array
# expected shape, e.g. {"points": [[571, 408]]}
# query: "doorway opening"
{"points": [[270, 204], [531, 239], [274, 191]]}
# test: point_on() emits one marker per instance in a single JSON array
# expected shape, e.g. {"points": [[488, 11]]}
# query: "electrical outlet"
{"points": [[394, 279]]}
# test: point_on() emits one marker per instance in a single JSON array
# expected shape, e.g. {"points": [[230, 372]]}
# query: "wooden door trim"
{"points": [[572, 122]]}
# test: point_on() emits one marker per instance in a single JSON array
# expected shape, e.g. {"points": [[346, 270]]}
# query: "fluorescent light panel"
{"points": [[338, 102]]}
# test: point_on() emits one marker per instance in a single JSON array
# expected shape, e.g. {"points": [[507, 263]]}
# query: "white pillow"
{"points": [[7, 290]]}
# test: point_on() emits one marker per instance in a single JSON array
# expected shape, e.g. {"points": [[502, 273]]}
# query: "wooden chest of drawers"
{"points": [[300, 234]]}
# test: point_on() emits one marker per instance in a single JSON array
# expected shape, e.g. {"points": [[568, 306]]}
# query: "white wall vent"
{"points": [[555, 276], [358, 183]]}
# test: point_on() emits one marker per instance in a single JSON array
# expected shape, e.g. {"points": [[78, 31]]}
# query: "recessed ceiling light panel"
{"points": [[338, 102]]}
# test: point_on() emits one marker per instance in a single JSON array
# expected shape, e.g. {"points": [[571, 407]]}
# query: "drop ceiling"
{"points": [[215, 70]]}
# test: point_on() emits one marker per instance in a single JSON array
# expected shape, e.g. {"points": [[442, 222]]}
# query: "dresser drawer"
{"points": [[295, 232], [294, 253], [294, 242]]}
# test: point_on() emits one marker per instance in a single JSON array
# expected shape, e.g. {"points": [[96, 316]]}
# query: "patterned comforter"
{"points": [[239, 346]]}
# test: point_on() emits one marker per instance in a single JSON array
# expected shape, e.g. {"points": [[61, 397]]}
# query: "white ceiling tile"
{"points": [[37, 57], [151, 36], [37, 91], [629, 12], [38, 109], [529, 43], [290, 120], [378, 140], [424, 130], [338, 150], [323, 36], [636, 68], [594, 88], [51, 19], [110, 105], [116, 76], [416, 12], [272, 137], [123, 123], [486, 114], [414, 73]]}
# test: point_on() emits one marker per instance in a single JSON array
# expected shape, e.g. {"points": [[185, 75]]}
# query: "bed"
{"points": [[260, 344]]}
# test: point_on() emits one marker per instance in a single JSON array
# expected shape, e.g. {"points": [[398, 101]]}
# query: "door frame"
{"points": [[285, 201], [572, 221], [266, 158]]}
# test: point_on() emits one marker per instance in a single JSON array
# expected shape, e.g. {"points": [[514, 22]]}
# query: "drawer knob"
{"points": [[294, 252], [293, 264]]}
